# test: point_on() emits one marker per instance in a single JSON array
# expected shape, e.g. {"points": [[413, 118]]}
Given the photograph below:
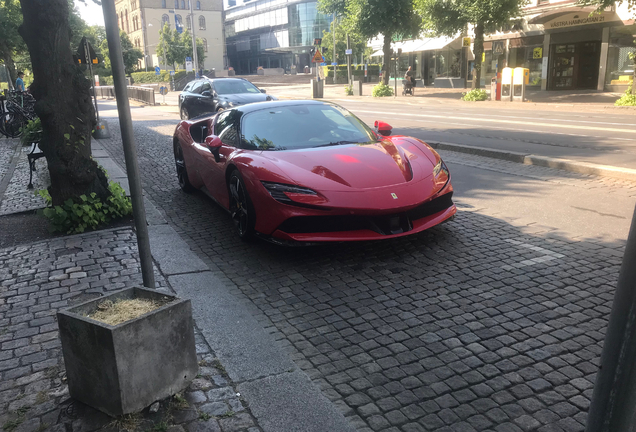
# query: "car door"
{"points": [[206, 102], [192, 100], [213, 164]]}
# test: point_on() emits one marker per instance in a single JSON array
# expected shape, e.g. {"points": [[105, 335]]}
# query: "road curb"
{"points": [[543, 161]]}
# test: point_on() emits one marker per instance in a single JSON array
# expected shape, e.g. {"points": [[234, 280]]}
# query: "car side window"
{"points": [[187, 87], [222, 122], [196, 88], [206, 87], [229, 136]]}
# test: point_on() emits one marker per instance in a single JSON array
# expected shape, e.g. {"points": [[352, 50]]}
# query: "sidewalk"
{"points": [[246, 381]]}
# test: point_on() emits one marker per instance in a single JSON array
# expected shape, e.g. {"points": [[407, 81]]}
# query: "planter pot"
{"points": [[231, 73], [124, 368]]}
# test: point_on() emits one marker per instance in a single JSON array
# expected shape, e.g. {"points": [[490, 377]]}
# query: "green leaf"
{"points": [[67, 136]]}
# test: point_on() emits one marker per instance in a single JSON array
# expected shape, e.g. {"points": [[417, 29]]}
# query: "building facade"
{"points": [[271, 33], [564, 45], [143, 19]]}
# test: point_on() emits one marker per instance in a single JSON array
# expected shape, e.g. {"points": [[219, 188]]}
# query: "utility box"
{"points": [[357, 88], [520, 80], [506, 84]]}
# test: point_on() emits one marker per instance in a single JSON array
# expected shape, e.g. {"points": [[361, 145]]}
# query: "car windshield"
{"points": [[234, 87], [302, 126]]}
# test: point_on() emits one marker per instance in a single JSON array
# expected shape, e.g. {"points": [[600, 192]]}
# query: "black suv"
{"points": [[211, 95]]}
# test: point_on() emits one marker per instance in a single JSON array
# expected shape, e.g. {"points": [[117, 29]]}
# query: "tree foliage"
{"points": [[451, 17], [358, 44], [11, 44], [390, 19], [604, 4], [130, 54], [178, 46]]}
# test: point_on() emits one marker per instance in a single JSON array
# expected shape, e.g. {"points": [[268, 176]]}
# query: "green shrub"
{"points": [[105, 80], [31, 132], [475, 95], [382, 90], [348, 90], [86, 212], [628, 99], [341, 71]]}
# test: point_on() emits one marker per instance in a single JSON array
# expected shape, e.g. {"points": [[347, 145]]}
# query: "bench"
{"points": [[34, 154]]}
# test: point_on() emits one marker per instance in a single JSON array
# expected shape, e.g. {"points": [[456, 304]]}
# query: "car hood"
{"points": [[244, 98], [349, 167]]}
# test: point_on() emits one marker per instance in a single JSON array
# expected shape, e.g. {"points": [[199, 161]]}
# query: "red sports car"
{"points": [[310, 171]]}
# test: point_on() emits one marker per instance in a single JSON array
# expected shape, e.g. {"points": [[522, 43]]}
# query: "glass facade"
{"points": [[306, 23], [619, 66], [527, 53]]}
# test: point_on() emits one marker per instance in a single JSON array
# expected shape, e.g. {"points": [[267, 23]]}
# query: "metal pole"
{"points": [[395, 76], [194, 44], [334, 46], [128, 139], [612, 406], [348, 61], [89, 61]]}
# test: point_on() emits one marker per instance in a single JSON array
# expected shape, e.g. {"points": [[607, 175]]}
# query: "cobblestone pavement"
{"points": [[17, 198], [7, 150], [470, 326], [38, 279]]}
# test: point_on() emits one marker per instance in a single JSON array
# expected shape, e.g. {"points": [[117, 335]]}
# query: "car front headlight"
{"points": [[279, 191], [440, 168]]}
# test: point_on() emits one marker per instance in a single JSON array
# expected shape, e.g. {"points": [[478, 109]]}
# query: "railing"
{"points": [[141, 94]]}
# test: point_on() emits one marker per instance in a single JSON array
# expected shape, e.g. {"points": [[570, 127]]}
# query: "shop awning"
{"points": [[553, 14], [426, 44]]}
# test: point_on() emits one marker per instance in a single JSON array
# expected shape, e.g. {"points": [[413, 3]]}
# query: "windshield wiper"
{"points": [[337, 143]]}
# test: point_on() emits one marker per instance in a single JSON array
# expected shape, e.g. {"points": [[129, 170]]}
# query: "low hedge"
{"points": [[146, 77], [341, 70]]}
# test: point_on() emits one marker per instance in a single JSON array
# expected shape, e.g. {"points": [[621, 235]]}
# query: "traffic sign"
{"points": [[188, 58], [318, 56], [157, 70], [466, 42], [334, 64], [349, 52], [537, 53], [171, 72], [323, 64], [163, 90], [498, 48]]}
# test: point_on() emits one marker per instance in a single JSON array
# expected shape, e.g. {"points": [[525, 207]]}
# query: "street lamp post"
{"points": [[194, 44]]}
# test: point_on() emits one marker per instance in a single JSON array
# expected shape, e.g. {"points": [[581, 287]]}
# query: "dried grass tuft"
{"points": [[120, 311]]}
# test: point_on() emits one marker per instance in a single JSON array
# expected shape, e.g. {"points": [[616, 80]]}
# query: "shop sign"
{"points": [[579, 18], [537, 53]]}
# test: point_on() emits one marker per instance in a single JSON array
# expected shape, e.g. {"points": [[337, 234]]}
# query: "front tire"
{"points": [[241, 208], [182, 172]]}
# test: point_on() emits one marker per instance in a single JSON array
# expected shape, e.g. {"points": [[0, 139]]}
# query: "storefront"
{"points": [[567, 48]]}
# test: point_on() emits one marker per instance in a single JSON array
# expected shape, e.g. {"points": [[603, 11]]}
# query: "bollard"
{"points": [[317, 88], [101, 130], [357, 88], [520, 80], [506, 84]]}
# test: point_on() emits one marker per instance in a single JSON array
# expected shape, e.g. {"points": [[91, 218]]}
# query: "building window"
{"points": [[163, 4], [176, 4], [198, 5], [127, 23], [205, 45], [189, 22], [179, 20], [231, 3], [201, 22], [165, 20], [183, 4]]}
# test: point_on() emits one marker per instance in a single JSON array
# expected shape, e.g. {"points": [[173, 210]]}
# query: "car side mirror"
{"points": [[207, 93], [382, 128], [213, 143], [263, 91]]}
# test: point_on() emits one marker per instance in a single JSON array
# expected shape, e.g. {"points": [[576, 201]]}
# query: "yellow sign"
{"points": [[318, 56], [537, 53], [483, 57], [466, 41]]}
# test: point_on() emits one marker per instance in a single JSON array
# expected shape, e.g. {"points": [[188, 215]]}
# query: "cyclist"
{"points": [[19, 83]]}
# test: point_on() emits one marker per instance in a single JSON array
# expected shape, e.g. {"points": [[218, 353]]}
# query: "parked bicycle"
{"points": [[16, 109]]}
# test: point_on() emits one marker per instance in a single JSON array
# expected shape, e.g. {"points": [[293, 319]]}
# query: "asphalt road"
{"points": [[604, 138]]}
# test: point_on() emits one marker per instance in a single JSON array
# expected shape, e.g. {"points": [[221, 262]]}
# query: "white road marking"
{"points": [[493, 120], [548, 255]]}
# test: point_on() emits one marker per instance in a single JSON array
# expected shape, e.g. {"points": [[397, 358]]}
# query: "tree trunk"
{"points": [[479, 52], [8, 61], [634, 75], [386, 67], [63, 104]]}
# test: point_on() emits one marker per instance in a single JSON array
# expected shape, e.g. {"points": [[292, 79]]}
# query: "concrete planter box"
{"points": [[231, 73], [124, 368], [270, 71]]}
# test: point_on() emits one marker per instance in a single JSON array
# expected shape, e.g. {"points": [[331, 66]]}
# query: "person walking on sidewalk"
{"points": [[410, 77]]}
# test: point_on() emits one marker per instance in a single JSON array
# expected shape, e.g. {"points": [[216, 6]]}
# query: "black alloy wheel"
{"points": [[185, 115], [241, 207], [182, 172]]}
